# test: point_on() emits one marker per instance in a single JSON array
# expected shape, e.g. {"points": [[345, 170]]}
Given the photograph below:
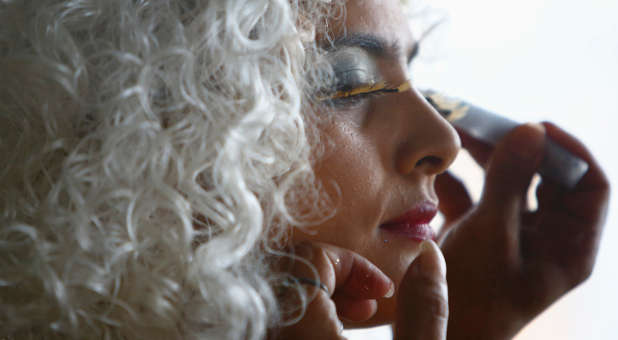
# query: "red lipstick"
{"points": [[414, 223]]}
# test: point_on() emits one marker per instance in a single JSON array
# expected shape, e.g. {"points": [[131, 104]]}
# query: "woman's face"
{"points": [[386, 149]]}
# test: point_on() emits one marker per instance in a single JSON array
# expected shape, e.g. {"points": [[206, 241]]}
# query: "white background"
{"points": [[535, 60]]}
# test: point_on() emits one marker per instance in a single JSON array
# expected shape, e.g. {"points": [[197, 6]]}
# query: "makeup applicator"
{"points": [[558, 164]]}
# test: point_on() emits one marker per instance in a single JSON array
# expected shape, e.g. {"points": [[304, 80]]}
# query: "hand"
{"points": [[353, 284], [507, 264], [422, 300]]}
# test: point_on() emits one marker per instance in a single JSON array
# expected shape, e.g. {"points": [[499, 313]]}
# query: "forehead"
{"points": [[383, 18]]}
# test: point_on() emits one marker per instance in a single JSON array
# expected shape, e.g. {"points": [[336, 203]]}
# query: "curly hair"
{"points": [[155, 152]]}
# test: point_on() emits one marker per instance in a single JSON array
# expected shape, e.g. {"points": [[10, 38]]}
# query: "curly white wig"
{"points": [[153, 155]]}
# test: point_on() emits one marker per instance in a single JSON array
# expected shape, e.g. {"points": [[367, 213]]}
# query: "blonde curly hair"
{"points": [[155, 153]]}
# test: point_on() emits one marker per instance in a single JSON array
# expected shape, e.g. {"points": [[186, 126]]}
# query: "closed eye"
{"points": [[372, 89]]}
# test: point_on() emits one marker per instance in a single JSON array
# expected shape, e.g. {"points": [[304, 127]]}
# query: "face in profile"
{"points": [[387, 147]]}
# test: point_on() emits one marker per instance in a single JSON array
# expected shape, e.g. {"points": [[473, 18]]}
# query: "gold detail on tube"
{"points": [[456, 109]]}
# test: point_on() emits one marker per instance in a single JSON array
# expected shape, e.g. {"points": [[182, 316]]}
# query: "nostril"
{"points": [[430, 161]]}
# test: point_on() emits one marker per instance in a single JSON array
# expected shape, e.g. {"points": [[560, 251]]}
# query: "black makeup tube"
{"points": [[558, 164]]}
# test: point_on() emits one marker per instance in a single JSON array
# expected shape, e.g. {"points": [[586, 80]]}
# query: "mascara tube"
{"points": [[558, 164]]}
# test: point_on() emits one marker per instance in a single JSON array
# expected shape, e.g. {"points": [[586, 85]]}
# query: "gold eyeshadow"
{"points": [[357, 74], [353, 67]]}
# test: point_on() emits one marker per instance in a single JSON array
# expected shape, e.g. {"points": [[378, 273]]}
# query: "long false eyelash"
{"points": [[373, 89], [366, 89], [355, 99]]}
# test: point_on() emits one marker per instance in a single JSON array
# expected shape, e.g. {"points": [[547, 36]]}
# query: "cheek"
{"points": [[350, 170], [355, 170], [358, 163], [354, 162]]}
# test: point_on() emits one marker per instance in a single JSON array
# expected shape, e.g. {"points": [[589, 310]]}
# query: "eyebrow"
{"points": [[375, 45]]}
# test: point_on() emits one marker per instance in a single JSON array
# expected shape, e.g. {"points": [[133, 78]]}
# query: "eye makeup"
{"points": [[357, 76], [380, 87], [353, 67], [558, 164]]}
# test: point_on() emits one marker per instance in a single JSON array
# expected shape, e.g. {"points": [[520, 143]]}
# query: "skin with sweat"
{"points": [[387, 150]]}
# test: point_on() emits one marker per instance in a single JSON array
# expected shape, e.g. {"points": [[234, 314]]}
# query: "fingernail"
{"points": [[391, 291], [426, 264]]}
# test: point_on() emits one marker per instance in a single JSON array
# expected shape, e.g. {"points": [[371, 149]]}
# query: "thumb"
{"points": [[514, 160], [422, 305]]}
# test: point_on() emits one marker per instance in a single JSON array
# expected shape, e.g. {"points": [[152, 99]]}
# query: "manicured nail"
{"points": [[391, 291]]}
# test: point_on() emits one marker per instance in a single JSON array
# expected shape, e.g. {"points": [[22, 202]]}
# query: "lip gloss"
{"points": [[414, 223], [558, 164]]}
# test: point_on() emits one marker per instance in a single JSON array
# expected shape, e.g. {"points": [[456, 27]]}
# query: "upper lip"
{"points": [[421, 213]]}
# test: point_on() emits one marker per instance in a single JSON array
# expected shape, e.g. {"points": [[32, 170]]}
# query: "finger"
{"points": [[570, 219], [422, 305], [454, 198], [319, 321], [588, 200], [585, 207], [549, 195], [512, 166], [352, 280], [353, 309]]}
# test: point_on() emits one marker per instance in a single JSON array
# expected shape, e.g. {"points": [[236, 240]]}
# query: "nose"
{"points": [[429, 143]]}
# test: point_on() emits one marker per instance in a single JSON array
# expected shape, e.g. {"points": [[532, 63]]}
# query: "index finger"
{"points": [[565, 230], [588, 200], [344, 271], [352, 281]]}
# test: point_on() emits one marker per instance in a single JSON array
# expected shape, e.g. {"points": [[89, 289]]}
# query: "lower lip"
{"points": [[416, 232]]}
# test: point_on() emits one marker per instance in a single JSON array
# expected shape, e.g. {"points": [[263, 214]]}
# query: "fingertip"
{"points": [[568, 141], [429, 267], [515, 160], [422, 305], [430, 261], [521, 150], [594, 178], [526, 141]]}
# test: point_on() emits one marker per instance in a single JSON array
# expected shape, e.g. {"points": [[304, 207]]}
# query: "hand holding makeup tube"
{"points": [[507, 264], [351, 285]]}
